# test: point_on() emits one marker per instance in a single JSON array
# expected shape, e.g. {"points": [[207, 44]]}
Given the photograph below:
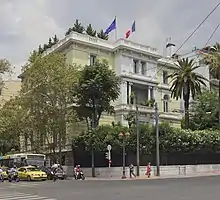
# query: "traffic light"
{"points": [[107, 155]]}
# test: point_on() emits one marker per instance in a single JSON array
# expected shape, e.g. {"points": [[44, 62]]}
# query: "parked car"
{"points": [[30, 173]]}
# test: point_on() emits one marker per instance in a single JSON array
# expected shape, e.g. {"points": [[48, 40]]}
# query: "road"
{"points": [[199, 188]]}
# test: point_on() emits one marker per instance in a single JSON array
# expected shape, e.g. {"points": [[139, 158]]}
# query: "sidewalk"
{"points": [[154, 177]]}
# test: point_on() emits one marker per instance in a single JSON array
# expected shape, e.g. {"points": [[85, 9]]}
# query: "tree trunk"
{"points": [[186, 105], [219, 102]]}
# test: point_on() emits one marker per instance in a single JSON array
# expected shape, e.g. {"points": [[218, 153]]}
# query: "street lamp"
{"points": [[123, 136]]}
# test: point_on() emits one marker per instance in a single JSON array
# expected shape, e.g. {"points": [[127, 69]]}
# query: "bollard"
{"points": [[185, 170]]}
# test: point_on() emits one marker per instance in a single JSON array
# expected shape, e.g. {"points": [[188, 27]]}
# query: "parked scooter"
{"points": [[13, 176]]}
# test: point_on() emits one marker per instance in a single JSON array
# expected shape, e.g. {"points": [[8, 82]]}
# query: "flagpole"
{"points": [[116, 37], [170, 47]]}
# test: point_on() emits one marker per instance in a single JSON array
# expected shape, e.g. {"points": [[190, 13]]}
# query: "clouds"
{"points": [[25, 24]]}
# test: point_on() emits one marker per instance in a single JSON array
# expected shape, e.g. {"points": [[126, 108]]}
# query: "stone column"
{"points": [[124, 92], [139, 67], [149, 88], [155, 93]]}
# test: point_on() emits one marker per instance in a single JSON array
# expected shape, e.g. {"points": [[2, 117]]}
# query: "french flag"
{"points": [[130, 31]]}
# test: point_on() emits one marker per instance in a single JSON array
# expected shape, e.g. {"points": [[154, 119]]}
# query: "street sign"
{"points": [[109, 147]]}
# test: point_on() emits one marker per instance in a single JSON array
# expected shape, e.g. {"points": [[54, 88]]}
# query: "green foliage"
{"points": [[102, 35], [130, 117], [97, 87], [55, 39], [204, 111], [212, 59], [68, 31], [171, 139], [5, 66], [90, 31], [185, 82], [40, 50], [78, 27], [46, 98], [11, 121]]}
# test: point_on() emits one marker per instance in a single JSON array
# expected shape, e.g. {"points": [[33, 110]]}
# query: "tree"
{"points": [[68, 31], [47, 97], [40, 50], [45, 47], [212, 58], [11, 116], [55, 39], [5, 66], [90, 31], [34, 55], [204, 111], [97, 87], [102, 35], [77, 27], [50, 44], [186, 83], [130, 117]]}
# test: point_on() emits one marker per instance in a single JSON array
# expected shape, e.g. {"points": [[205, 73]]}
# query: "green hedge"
{"points": [[171, 139]]}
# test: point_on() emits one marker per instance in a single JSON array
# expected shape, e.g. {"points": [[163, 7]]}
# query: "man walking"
{"points": [[131, 170]]}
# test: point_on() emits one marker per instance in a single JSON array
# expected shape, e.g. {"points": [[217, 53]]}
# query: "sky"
{"points": [[24, 24]]}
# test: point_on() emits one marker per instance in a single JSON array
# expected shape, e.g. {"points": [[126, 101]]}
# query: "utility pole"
{"points": [[157, 139], [138, 142], [93, 156]]}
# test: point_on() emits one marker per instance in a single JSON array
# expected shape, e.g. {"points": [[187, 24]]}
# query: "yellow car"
{"points": [[30, 173]]}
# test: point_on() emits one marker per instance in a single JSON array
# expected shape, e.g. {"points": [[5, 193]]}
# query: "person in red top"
{"points": [[76, 171], [148, 170]]}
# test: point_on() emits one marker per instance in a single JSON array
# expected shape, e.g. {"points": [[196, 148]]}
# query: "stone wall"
{"points": [[172, 170]]}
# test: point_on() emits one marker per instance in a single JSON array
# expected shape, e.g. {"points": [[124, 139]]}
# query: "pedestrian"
{"points": [[131, 170], [148, 170]]}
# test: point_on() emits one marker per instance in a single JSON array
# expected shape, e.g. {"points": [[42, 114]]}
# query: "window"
{"points": [[165, 103], [143, 68], [152, 93], [21, 170], [135, 65], [92, 59], [165, 79]]}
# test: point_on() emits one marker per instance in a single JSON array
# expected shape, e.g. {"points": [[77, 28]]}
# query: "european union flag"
{"points": [[111, 27]]}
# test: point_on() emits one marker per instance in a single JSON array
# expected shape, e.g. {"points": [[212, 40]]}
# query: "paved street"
{"points": [[197, 188]]}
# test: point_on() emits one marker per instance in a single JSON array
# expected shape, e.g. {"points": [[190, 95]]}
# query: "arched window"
{"points": [[165, 103]]}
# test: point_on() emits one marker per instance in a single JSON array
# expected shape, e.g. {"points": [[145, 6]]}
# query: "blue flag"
{"points": [[111, 27], [133, 28]]}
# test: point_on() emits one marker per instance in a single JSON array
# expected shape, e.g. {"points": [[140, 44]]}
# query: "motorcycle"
{"points": [[13, 176], [79, 175], [1, 178]]}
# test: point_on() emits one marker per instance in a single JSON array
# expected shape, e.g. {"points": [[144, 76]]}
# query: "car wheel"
{"points": [[28, 178]]}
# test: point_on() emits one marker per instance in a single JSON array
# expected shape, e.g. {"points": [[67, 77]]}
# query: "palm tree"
{"points": [[102, 35], [212, 58], [77, 27], [185, 82], [90, 31]]}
